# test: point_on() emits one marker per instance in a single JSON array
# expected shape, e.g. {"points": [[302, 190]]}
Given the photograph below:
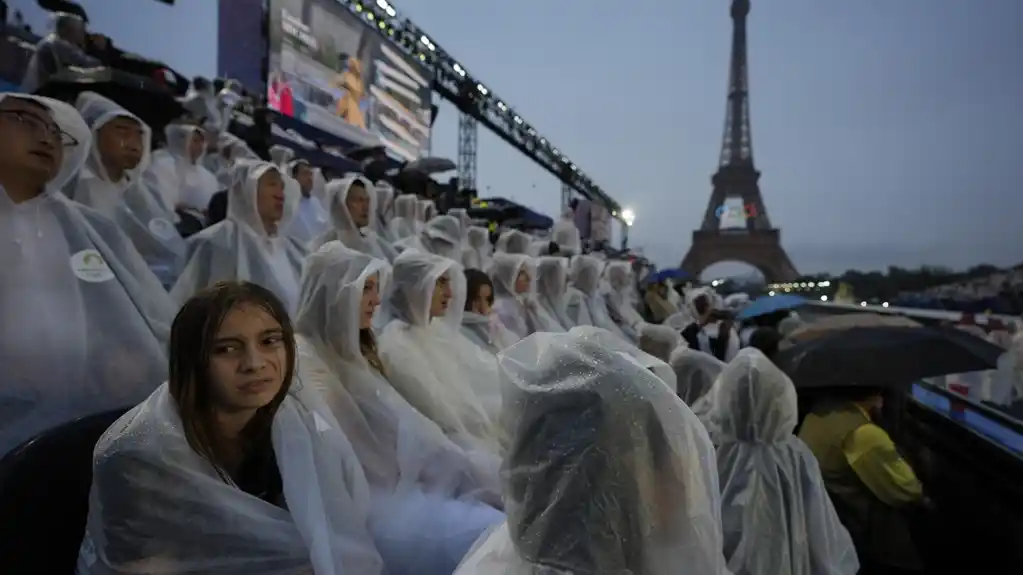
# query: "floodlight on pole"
{"points": [[628, 216]]}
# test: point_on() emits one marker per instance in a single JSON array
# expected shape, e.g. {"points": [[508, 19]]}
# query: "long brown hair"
{"points": [[368, 348], [193, 334]]}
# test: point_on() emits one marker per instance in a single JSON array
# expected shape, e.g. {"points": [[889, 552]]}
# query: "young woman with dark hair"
{"points": [[229, 467]]}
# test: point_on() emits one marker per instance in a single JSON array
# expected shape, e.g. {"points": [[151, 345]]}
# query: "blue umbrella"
{"points": [[770, 304], [668, 274]]}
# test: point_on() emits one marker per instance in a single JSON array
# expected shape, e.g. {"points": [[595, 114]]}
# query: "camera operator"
{"points": [[714, 330]]}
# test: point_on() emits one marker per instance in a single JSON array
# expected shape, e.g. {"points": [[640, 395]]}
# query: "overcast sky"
{"points": [[887, 132]]}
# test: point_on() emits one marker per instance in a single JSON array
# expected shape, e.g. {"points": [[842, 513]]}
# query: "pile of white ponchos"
{"points": [[133, 206], [85, 323], [776, 514], [157, 506], [435, 368], [425, 511], [607, 471], [239, 248]]}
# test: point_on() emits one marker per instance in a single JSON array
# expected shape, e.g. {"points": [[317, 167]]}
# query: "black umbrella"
{"points": [[885, 356], [141, 96]]}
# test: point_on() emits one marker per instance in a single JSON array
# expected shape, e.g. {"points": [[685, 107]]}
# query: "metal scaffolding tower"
{"points": [[468, 136]]}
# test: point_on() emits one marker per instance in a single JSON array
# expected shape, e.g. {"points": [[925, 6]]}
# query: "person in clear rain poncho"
{"points": [[607, 471], [85, 322], [247, 245], [351, 203], [551, 288], [513, 275], [404, 223], [177, 173], [281, 156], [111, 182], [566, 235], [230, 149], [311, 219], [622, 297], [695, 373], [776, 514], [660, 341], [62, 48], [710, 330], [435, 368], [426, 210], [477, 251], [588, 296], [384, 214], [513, 242], [231, 467], [425, 491], [440, 236], [464, 222], [479, 324]]}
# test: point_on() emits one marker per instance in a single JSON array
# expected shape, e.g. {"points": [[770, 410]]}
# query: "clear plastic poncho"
{"points": [[311, 218], [607, 472], [157, 506], [776, 514], [464, 222], [710, 330], [513, 242], [517, 312], [85, 323], [239, 248], [281, 155], [178, 180], [586, 276], [566, 235], [343, 228], [660, 341], [425, 510], [129, 202], [551, 289], [623, 297], [384, 211], [404, 223], [477, 251], [440, 236], [695, 374], [430, 362], [425, 211]]}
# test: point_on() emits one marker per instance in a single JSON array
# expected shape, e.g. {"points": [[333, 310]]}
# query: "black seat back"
{"points": [[44, 497]]}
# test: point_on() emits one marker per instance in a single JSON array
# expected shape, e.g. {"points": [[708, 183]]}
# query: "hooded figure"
{"points": [[351, 202], [425, 211], [717, 337], [424, 490], [551, 289], [177, 173], [85, 323], [247, 245], [441, 373], [477, 251], [121, 143], [440, 236], [586, 274], [464, 222], [623, 298], [607, 471], [56, 51], [281, 155], [514, 242], [311, 219], [384, 214], [566, 235], [513, 275], [230, 149], [776, 514], [404, 223], [660, 341], [695, 372]]}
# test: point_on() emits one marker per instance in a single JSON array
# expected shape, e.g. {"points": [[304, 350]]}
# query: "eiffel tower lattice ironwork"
{"points": [[758, 243]]}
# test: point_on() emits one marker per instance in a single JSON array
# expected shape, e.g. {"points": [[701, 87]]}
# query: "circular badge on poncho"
{"points": [[162, 229], [89, 266]]}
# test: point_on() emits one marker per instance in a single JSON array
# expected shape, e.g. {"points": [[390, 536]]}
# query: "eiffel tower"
{"points": [[758, 244]]}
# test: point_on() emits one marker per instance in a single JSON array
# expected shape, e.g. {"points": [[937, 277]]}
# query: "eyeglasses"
{"points": [[34, 123]]}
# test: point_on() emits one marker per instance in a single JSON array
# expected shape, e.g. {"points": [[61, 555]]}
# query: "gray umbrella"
{"points": [[429, 165]]}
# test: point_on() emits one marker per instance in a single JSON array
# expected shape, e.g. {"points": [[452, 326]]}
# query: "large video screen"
{"points": [[331, 70]]}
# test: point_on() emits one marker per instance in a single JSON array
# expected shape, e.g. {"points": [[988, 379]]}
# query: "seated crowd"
{"points": [[333, 378]]}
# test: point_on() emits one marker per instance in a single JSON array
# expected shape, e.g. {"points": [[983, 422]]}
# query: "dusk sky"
{"points": [[887, 132]]}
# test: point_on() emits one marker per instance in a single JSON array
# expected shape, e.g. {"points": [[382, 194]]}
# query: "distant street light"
{"points": [[628, 216]]}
